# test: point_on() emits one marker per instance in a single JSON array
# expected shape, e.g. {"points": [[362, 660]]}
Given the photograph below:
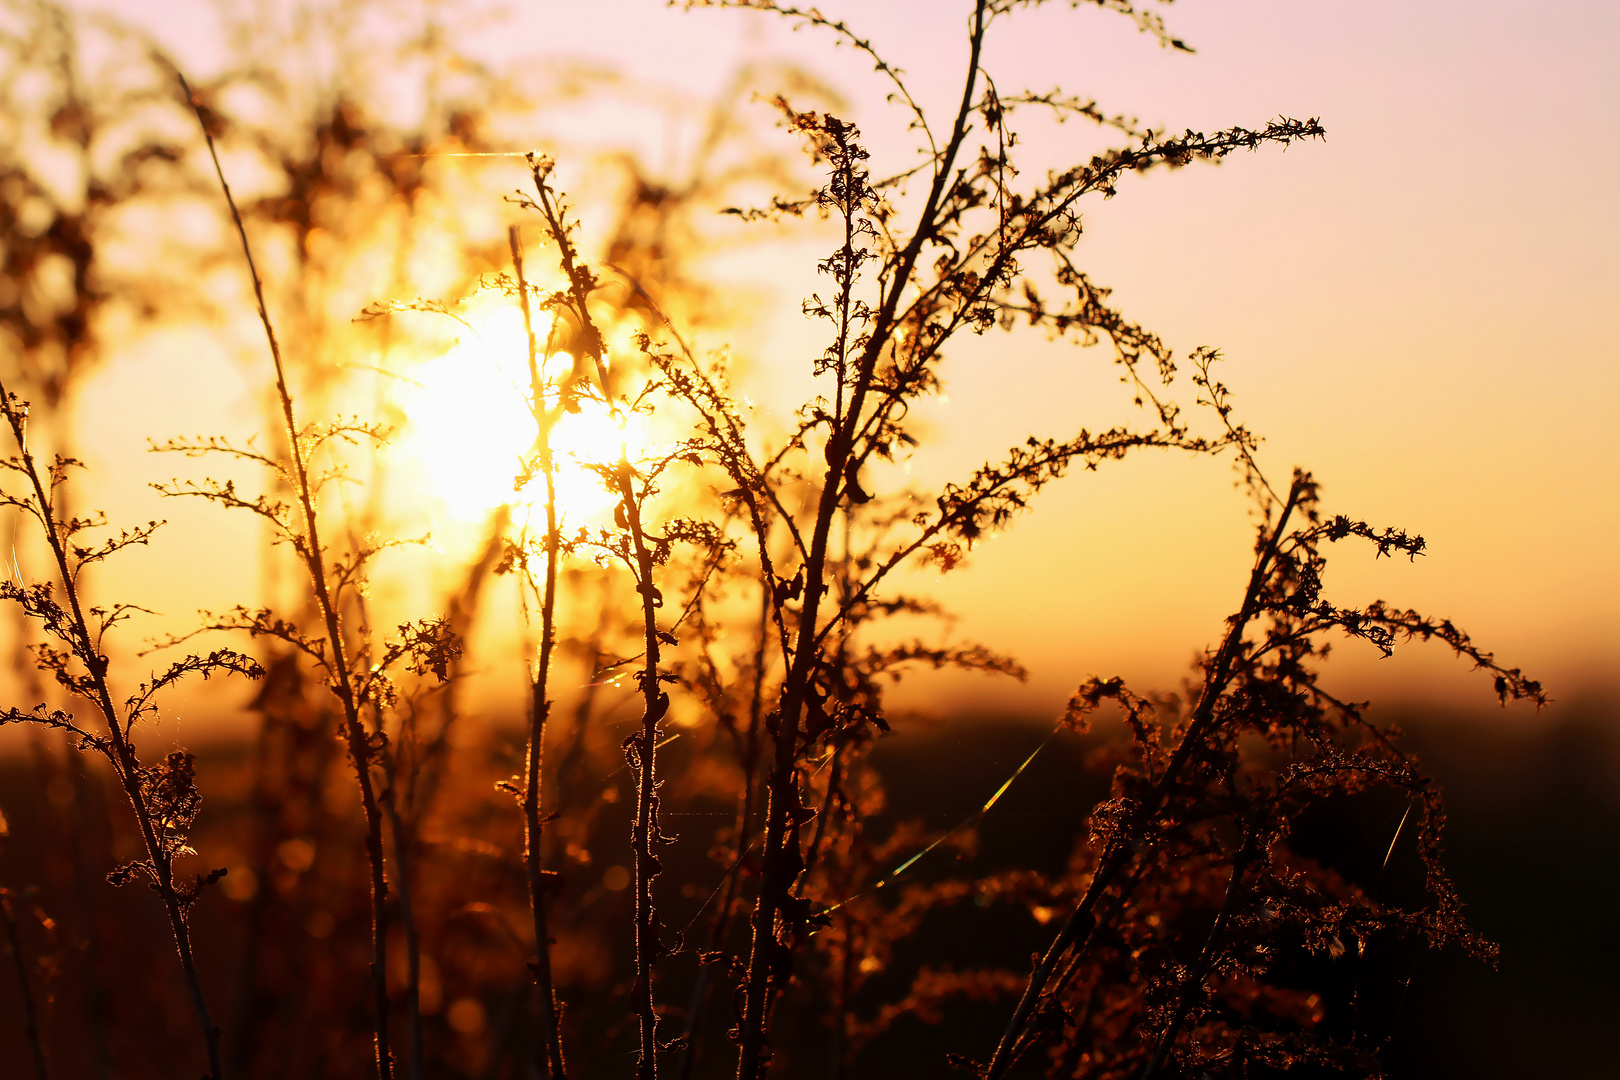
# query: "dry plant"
{"points": [[163, 796], [739, 593], [357, 673], [548, 1043]]}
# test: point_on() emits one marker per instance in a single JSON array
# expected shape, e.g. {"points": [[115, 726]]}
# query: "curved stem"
{"points": [[548, 1047], [118, 749], [311, 554], [1082, 921], [641, 748], [30, 1016], [779, 870], [1206, 959]]}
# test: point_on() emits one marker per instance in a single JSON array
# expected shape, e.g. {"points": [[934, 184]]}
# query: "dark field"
{"points": [[1533, 839]]}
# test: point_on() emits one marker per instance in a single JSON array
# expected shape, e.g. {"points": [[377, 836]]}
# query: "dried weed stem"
{"points": [[308, 544], [1082, 922], [769, 960], [160, 840], [25, 989], [548, 1047], [641, 748]]}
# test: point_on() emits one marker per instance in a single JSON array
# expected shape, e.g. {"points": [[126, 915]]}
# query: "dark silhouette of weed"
{"points": [[163, 796]]}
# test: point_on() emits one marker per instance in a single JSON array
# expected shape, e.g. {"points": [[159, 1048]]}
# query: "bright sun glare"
{"points": [[468, 426]]}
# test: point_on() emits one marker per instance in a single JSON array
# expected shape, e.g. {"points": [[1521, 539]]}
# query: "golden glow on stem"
{"points": [[469, 427]]}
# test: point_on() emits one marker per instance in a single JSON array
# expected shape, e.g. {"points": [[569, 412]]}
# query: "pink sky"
{"points": [[1424, 310]]}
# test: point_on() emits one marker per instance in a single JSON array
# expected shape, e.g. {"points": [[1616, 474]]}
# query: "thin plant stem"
{"points": [[641, 748], [548, 1046], [312, 555], [119, 751], [67, 840], [840, 1002], [646, 832], [1206, 960], [720, 930], [780, 867], [1082, 922], [30, 1016], [265, 801], [404, 833]]}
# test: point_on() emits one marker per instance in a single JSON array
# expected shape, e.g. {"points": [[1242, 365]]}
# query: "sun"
{"points": [[468, 427]]}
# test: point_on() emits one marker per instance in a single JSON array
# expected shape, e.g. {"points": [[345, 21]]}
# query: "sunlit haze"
{"points": [[1420, 309], [469, 427]]}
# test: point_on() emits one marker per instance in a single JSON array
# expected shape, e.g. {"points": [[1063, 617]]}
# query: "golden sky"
{"points": [[1423, 310]]}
